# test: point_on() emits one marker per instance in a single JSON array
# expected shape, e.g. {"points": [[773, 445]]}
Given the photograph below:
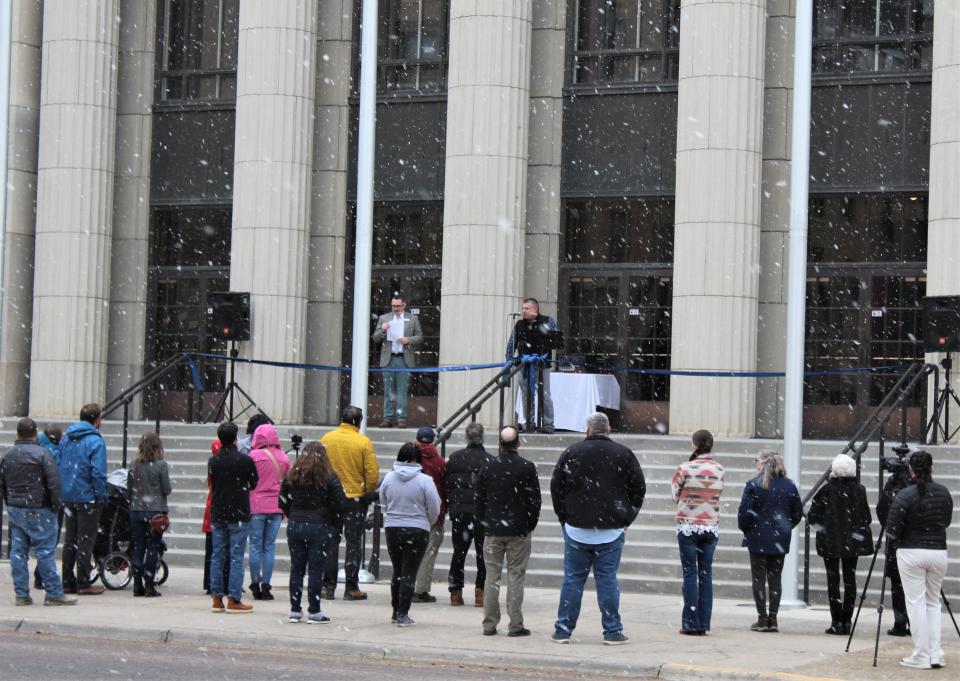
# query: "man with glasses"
{"points": [[399, 333]]}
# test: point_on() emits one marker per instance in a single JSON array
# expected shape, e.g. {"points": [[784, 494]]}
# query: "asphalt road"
{"points": [[55, 658]]}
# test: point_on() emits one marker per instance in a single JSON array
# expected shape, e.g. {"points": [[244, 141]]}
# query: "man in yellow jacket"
{"points": [[354, 460]]}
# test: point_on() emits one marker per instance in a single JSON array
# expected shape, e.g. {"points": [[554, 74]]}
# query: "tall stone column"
{"points": [[943, 219], [271, 194], [548, 57], [334, 58], [71, 291], [18, 241], [131, 196], [485, 189], [719, 144], [774, 215]]}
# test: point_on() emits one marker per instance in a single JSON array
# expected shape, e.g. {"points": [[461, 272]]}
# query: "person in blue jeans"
{"points": [[696, 488], [597, 490], [232, 475], [312, 498], [30, 486]]}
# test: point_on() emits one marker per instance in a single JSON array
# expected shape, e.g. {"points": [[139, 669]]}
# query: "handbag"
{"points": [[160, 522]]}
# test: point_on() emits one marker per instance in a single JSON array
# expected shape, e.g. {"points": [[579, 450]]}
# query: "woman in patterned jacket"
{"points": [[696, 488]]}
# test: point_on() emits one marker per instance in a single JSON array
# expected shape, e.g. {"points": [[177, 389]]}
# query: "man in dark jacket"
{"points": [[83, 481], [463, 468], [508, 505], [232, 475], [899, 480], [30, 486], [597, 490]]}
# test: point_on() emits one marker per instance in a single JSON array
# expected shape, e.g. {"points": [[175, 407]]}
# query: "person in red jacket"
{"points": [[436, 467]]}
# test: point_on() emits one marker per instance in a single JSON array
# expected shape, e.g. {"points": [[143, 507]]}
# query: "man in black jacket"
{"points": [[462, 471], [508, 506], [899, 480], [597, 490], [232, 475], [30, 486]]}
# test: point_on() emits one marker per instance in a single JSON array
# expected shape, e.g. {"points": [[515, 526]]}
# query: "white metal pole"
{"points": [[6, 19], [364, 233], [797, 271]]}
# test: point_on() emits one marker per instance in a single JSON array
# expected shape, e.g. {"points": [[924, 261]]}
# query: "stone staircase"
{"points": [[650, 562]]}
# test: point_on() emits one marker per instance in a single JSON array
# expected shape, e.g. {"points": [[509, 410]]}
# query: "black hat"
{"points": [[425, 434]]}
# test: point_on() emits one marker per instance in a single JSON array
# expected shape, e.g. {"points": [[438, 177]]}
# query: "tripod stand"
{"points": [[941, 407], [226, 397]]}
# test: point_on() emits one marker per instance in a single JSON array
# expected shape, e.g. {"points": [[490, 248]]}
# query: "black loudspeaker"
{"points": [[228, 315], [941, 324]]}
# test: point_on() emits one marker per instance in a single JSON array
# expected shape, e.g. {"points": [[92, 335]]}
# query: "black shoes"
{"points": [[424, 597], [265, 594], [255, 591], [519, 632], [898, 631]]}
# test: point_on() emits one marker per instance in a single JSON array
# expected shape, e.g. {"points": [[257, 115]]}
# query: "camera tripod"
{"points": [[941, 408], [226, 397]]}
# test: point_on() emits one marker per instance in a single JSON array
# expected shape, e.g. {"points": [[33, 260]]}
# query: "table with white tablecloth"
{"points": [[575, 397]]}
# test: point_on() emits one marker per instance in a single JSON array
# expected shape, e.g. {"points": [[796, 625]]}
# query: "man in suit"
{"points": [[396, 352]]}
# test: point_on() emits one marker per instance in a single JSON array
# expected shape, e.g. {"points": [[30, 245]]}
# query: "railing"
{"points": [[152, 379], [895, 399]]}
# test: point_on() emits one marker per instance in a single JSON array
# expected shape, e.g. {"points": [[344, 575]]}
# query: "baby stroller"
{"points": [[114, 542]]}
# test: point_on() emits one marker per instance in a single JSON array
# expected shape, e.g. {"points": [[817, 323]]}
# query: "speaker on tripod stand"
{"points": [[941, 333]]}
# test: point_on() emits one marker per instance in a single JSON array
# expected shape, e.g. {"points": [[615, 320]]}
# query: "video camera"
{"points": [[896, 465]]}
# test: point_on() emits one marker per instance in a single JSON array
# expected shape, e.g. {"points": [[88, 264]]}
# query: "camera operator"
{"points": [[899, 479], [917, 528]]}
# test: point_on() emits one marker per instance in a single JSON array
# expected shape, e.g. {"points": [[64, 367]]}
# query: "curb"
{"points": [[412, 653], [692, 672]]}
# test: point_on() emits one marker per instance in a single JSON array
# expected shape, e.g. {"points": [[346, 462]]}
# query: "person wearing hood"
{"points": [[83, 478], [842, 517], [435, 466], [411, 506], [265, 515]]}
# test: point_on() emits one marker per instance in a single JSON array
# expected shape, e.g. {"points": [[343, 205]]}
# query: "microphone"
{"points": [[515, 314]]}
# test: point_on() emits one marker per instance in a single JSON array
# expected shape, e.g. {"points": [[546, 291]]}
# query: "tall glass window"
{"points": [[872, 37], [197, 50], [413, 46], [620, 42]]}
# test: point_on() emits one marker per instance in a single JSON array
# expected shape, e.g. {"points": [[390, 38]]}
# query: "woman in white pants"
{"points": [[917, 528]]}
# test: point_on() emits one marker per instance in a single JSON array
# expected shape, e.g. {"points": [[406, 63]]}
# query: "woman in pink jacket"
{"points": [[265, 515]]}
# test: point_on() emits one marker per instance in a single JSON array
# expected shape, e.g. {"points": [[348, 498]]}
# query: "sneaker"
{"points": [[92, 590], [424, 597], [328, 593], [916, 662], [519, 632], [617, 639], [393, 617], [760, 624], [772, 625], [236, 607], [489, 632], [217, 604], [319, 618], [355, 595], [24, 600], [59, 600], [560, 638], [936, 660], [898, 631], [404, 621], [294, 616]]}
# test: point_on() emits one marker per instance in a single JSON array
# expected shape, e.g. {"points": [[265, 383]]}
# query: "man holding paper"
{"points": [[399, 332]]}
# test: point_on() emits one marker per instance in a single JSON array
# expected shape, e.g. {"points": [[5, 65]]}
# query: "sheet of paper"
{"points": [[395, 332]]}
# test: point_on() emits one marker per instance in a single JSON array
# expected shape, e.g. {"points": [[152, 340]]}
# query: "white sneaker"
{"points": [[295, 616], [916, 662], [936, 660]]}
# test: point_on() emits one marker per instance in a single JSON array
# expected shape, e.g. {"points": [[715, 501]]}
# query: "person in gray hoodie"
{"points": [[411, 506]]}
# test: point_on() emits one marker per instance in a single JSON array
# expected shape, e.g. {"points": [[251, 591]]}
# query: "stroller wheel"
{"points": [[116, 571], [162, 572]]}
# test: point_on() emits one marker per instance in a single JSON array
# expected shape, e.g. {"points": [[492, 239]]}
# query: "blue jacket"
{"points": [[767, 516], [83, 464], [44, 441]]}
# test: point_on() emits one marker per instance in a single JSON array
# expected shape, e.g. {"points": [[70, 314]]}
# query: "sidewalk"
{"points": [[443, 633]]}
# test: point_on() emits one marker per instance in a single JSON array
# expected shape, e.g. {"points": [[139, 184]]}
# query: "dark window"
{"points": [[868, 228], [619, 231], [412, 50], [872, 37], [191, 237], [625, 41], [197, 50]]}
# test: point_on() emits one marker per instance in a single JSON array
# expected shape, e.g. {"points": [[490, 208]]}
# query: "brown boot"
{"points": [[456, 597], [478, 598], [236, 607], [217, 605]]}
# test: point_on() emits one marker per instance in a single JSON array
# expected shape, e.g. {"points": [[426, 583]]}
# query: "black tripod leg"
{"points": [[876, 642], [250, 400], [217, 407], [953, 619], [866, 585]]}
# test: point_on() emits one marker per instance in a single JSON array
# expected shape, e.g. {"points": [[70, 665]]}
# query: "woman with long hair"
{"points": [[841, 515], [312, 498], [265, 517], [411, 506], [917, 530], [769, 510], [148, 486], [696, 489]]}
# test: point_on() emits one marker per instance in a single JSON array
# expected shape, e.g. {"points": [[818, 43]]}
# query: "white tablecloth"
{"points": [[575, 397]]}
